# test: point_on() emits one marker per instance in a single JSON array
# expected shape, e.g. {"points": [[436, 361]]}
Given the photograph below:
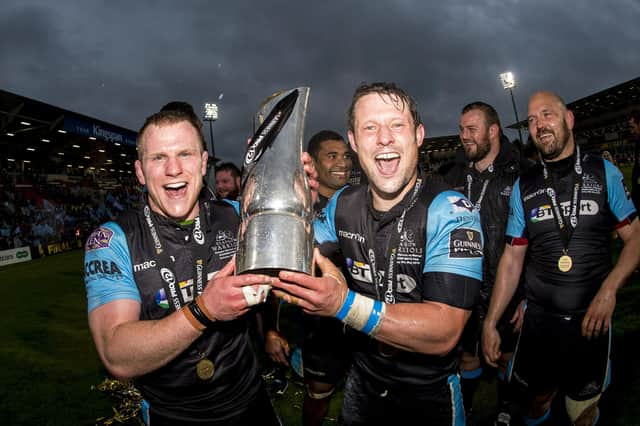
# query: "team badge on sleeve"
{"points": [[465, 243], [100, 238], [460, 204]]}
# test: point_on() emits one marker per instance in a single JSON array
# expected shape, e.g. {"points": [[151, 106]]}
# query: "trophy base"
{"points": [[273, 242]]}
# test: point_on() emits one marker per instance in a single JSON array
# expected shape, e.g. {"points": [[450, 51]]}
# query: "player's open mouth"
{"points": [[176, 189], [388, 162]]}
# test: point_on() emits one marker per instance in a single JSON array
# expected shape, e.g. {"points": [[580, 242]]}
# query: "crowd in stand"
{"points": [[36, 213]]}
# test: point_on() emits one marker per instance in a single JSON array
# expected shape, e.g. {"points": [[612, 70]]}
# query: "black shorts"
{"points": [[472, 333], [326, 353], [552, 354], [259, 411], [368, 403]]}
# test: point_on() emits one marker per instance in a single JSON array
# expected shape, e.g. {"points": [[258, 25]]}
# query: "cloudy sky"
{"points": [[121, 60]]}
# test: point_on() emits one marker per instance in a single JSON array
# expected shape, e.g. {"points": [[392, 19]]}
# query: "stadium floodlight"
{"points": [[211, 115], [509, 83], [210, 112], [508, 80]]}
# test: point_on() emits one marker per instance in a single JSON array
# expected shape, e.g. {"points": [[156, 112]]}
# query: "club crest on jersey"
{"points": [[460, 204], [100, 238]]}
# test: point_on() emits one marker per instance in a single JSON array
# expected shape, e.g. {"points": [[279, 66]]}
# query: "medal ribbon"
{"points": [[392, 252], [565, 231], [485, 183], [165, 263]]}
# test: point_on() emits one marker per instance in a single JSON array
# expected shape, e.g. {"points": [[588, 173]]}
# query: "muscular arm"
{"points": [[428, 327], [598, 317], [507, 278], [129, 347]]}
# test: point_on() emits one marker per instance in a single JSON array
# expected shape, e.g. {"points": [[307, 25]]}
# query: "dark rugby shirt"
{"points": [[439, 259], [604, 205], [120, 263]]}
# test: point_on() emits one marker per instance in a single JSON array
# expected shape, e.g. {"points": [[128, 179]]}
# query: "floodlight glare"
{"points": [[210, 111], [211, 115], [508, 80], [508, 83]]}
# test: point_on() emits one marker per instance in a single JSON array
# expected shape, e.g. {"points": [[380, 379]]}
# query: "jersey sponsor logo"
{"points": [[359, 271], [101, 267], [460, 204], [167, 276], [409, 253], [161, 299], [538, 214], [405, 283], [542, 213], [198, 235], [351, 236], [534, 194], [185, 287], [465, 243], [225, 245], [144, 265], [590, 185], [99, 239]]}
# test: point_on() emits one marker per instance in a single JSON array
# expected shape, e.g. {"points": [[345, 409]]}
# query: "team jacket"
{"points": [[439, 258], [495, 203], [120, 263], [604, 204]]}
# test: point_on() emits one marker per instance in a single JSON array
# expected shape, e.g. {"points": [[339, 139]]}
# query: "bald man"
{"points": [[562, 213]]}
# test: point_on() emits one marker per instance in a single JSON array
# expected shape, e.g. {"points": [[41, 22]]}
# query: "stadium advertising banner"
{"points": [[22, 254], [98, 131]]}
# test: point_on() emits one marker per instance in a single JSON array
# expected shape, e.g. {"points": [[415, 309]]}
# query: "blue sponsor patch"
{"points": [[99, 239], [161, 299]]}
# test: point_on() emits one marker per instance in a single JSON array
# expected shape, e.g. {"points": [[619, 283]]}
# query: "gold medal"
{"points": [[205, 369], [565, 263]]}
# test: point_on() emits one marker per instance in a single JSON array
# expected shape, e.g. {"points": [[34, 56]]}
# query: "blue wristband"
{"points": [[348, 301], [374, 317]]}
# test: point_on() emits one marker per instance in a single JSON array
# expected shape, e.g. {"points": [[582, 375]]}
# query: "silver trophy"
{"points": [[275, 207]]}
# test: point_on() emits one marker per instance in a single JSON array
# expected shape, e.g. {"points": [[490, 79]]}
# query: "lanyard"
{"points": [[565, 231], [392, 252], [485, 183], [171, 287]]}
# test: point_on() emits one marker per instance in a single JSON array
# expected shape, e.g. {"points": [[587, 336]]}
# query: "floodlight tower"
{"points": [[509, 82], [211, 115]]}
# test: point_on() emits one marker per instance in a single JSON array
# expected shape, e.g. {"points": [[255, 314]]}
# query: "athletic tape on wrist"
{"points": [[362, 313]]}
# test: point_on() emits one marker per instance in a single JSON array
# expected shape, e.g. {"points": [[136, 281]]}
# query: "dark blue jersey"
{"points": [[121, 262], [439, 258], [604, 204]]}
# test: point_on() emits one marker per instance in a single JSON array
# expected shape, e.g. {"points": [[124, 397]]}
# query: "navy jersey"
{"points": [[604, 204], [120, 263], [439, 258]]}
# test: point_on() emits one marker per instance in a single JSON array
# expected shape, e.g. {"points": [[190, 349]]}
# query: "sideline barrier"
{"points": [[16, 255]]}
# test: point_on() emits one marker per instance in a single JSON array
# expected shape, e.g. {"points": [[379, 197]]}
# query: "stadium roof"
{"points": [[49, 139], [607, 108], [599, 117]]}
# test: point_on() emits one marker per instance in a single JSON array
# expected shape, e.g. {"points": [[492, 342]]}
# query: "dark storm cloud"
{"points": [[120, 61]]}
